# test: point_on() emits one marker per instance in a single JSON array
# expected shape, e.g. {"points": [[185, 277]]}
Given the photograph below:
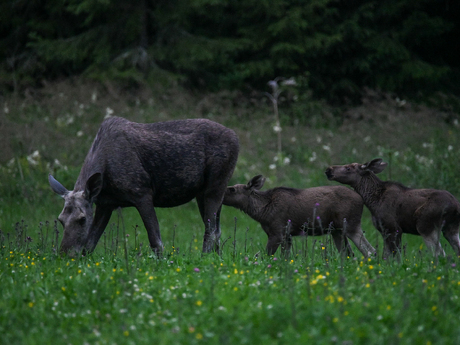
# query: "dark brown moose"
{"points": [[316, 211], [162, 164], [397, 209]]}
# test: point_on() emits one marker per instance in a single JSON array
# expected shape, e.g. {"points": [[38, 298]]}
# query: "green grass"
{"points": [[129, 296], [122, 294]]}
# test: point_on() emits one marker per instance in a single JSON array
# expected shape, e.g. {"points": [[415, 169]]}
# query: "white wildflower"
{"points": [[272, 166], [286, 161], [289, 82], [400, 102], [313, 157], [326, 148], [66, 120], [108, 112], [277, 128], [450, 148], [273, 84], [79, 133], [33, 158]]}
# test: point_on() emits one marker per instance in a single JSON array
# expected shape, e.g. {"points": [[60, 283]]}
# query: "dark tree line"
{"points": [[333, 47]]}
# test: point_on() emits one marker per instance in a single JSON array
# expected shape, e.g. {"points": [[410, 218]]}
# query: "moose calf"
{"points": [[317, 211], [397, 209]]}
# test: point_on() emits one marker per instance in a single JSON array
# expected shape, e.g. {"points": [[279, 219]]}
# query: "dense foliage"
{"points": [[335, 48]]}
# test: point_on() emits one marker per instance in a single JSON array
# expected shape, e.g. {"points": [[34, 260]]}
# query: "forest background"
{"points": [[332, 48]]}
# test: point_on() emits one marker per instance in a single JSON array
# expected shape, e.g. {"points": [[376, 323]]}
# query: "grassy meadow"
{"points": [[122, 294]]}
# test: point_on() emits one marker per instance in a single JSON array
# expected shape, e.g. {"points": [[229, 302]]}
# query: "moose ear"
{"points": [[93, 186], [376, 165], [256, 182], [57, 187]]}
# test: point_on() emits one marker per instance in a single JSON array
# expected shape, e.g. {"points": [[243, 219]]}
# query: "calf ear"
{"points": [[57, 187], [376, 165], [93, 186], [256, 182]]}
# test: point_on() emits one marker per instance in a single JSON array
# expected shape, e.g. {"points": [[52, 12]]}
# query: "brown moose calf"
{"points": [[316, 211], [397, 209]]}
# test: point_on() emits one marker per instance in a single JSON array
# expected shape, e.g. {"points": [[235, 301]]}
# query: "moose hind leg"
{"points": [[210, 208], [341, 243], [432, 243], [450, 233], [431, 234]]}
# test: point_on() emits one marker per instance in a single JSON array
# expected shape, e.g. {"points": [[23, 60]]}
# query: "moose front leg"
{"points": [[273, 243], [392, 243], [147, 212], [360, 241], [100, 221]]}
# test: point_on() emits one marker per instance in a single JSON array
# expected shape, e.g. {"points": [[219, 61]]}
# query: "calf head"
{"points": [[239, 194], [351, 174], [77, 215]]}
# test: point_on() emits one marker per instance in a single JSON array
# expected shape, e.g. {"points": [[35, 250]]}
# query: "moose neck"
{"points": [[256, 205], [371, 188], [90, 167], [94, 160]]}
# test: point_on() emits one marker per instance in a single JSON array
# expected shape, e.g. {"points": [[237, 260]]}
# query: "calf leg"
{"points": [[360, 241], [273, 243], [392, 242], [450, 233], [432, 243], [147, 211], [286, 245], [431, 234], [341, 243]]}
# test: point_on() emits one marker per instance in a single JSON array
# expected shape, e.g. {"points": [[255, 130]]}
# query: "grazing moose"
{"points": [[163, 164], [317, 211], [397, 209]]}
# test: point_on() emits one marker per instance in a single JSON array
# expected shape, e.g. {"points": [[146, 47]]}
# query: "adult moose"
{"points": [[316, 211], [397, 209], [162, 164]]}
